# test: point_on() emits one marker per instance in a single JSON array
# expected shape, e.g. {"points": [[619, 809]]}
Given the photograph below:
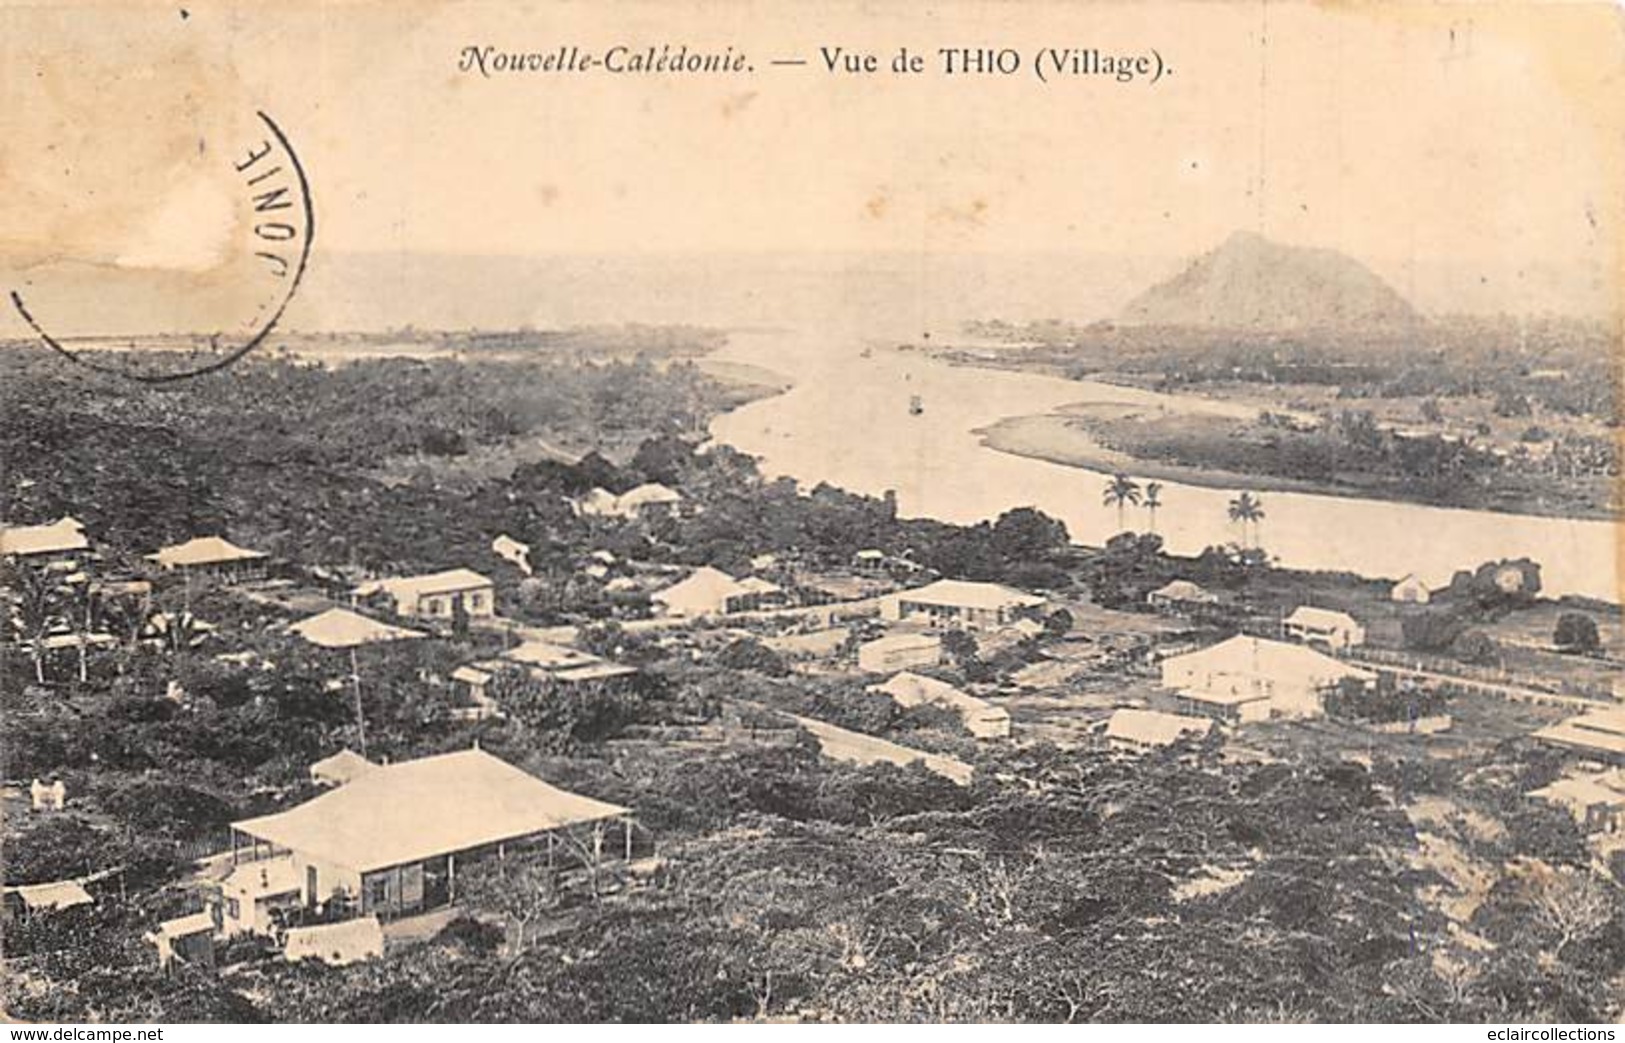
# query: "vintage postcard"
{"points": [[827, 512]]}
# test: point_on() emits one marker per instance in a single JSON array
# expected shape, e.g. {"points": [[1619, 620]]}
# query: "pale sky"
{"points": [[1466, 152]]}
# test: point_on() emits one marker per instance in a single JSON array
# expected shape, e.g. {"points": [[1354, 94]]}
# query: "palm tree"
{"points": [[1247, 508], [1122, 491], [1153, 500]]}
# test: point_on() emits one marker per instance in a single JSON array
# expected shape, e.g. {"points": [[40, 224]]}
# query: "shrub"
{"points": [[1576, 632]]}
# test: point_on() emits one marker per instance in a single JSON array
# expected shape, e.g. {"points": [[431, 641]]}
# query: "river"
{"points": [[846, 421]]}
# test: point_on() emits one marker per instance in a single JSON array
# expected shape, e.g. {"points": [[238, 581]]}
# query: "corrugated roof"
{"points": [[1222, 698], [1310, 616], [706, 587], [267, 876], [966, 594], [414, 810], [472, 675], [599, 671], [59, 894], [1248, 656], [1183, 590], [343, 766], [1604, 787], [843, 745], [1602, 729], [341, 628], [908, 689], [204, 550], [410, 588], [648, 493], [192, 923], [1153, 727], [548, 656], [64, 534]]}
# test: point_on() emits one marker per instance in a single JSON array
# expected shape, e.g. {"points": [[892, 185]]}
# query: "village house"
{"points": [[1253, 679], [189, 939], [709, 591], [596, 503], [53, 896], [1136, 731], [841, 744], [47, 796], [60, 544], [1180, 595], [1410, 591], [1598, 734], [214, 557], [869, 562], [343, 766], [473, 681], [438, 595], [877, 563], [952, 603], [644, 503], [647, 501], [512, 551], [388, 843], [543, 661], [341, 628], [1335, 631], [895, 652], [1596, 799], [253, 893], [981, 718]]}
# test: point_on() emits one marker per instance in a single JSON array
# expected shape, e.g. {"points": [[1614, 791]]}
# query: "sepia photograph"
{"points": [[775, 513]]}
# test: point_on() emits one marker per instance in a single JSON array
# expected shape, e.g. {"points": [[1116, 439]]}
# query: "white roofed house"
{"points": [[473, 680], [60, 542], [341, 628], [437, 595], [709, 591], [596, 503], [389, 842], [189, 939], [512, 551], [541, 660], [1253, 679], [1597, 734], [842, 744], [253, 892], [1323, 626], [1410, 590], [1139, 730], [874, 562], [958, 603], [981, 718], [58, 894], [1180, 594], [649, 500], [343, 766], [213, 556], [1596, 799]]}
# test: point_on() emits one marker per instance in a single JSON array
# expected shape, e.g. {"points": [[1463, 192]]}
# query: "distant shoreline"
{"points": [[1054, 438]]}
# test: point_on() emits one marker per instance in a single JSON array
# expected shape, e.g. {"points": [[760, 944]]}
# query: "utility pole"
{"points": [[360, 714]]}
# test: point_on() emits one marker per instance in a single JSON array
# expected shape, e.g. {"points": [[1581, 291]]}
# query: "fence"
{"points": [[1463, 678]]}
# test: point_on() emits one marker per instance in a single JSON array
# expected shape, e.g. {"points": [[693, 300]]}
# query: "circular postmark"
{"points": [[219, 261]]}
